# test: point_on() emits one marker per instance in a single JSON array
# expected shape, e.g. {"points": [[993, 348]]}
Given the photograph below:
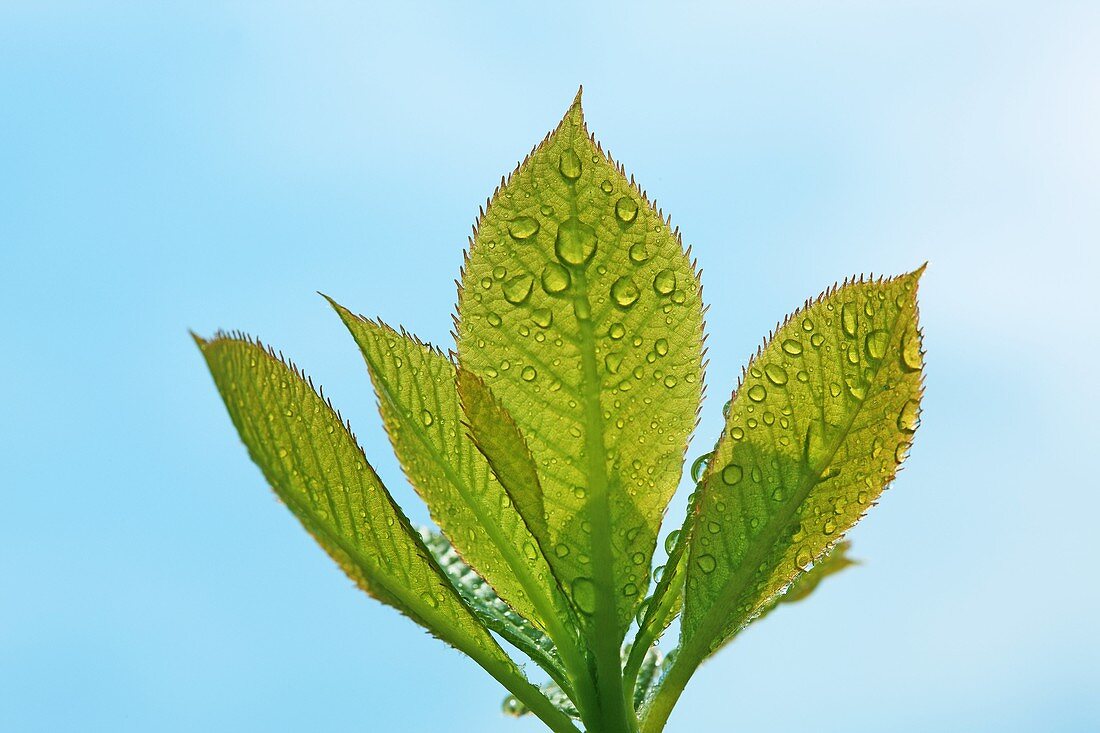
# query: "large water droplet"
{"points": [[576, 242], [776, 374], [699, 466], [908, 417], [849, 319], [626, 209], [555, 278], [639, 253], [528, 374], [518, 289], [706, 563], [732, 474], [876, 343], [803, 558], [792, 347], [569, 165], [523, 227], [429, 599], [543, 317], [757, 393], [529, 550], [671, 540], [584, 595], [426, 418], [910, 352], [624, 292], [664, 282]]}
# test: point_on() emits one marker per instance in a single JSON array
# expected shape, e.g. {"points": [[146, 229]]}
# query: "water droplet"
{"points": [[757, 393], [909, 416], [803, 558], [561, 550], [910, 352], [523, 227], [778, 494], [901, 452], [706, 563], [513, 707], [584, 595], [529, 550], [569, 165], [630, 590], [699, 466], [829, 527], [575, 242], [664, 282], [661, 346], [817, 340], [430, 599], [876, 343], [792, 347], [555, 278], [426, 418], [876, 447], [528, 374], [732, 474], [671, 540], [776, 374], [543, 317], [626, 209], [639, 253], [624, 292], [807, 325], [605, 186], [856, 388], [518, 289], [617, 331], [737, 433], [849, 319], [613, 361], [492, 318]]}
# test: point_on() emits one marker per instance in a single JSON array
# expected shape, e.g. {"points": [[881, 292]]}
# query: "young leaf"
{"points": [[313, 463], [419, 403], [581, 311], [493, 613], [814, 434]]}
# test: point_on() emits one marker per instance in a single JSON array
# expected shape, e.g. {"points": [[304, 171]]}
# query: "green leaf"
{"points": [[816, 431], [315, 466], [491, 611], [419, 404], [581, 311]]}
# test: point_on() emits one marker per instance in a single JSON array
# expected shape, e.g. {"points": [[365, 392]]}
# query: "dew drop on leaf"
{"points": [[876, 343], [776, 374], [699, 466], [664, 282], [732, 474], [910, 352], [576, 242], [624, 292], [849, 319], [543, 317], [518, 289], [523, 227], [626, 209], [569, 165], [757, 393], [555, 278], [706, 563], [639, 253], [907, 418], [671, 540], [528, 374], [584, 595], [426, 418], [792, 347]]}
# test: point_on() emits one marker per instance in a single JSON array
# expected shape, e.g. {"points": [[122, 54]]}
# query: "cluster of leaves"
{"points": [[548, 446]]}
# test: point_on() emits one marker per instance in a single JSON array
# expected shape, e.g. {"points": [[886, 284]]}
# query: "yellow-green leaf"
{"points": [[580, 310], [816, 430], [419, 403]]}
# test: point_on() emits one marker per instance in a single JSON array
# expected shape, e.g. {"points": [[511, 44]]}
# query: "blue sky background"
{"points": [[204, 165]]}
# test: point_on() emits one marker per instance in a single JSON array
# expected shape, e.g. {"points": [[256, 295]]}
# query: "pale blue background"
{"points": [[213, 164]]}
